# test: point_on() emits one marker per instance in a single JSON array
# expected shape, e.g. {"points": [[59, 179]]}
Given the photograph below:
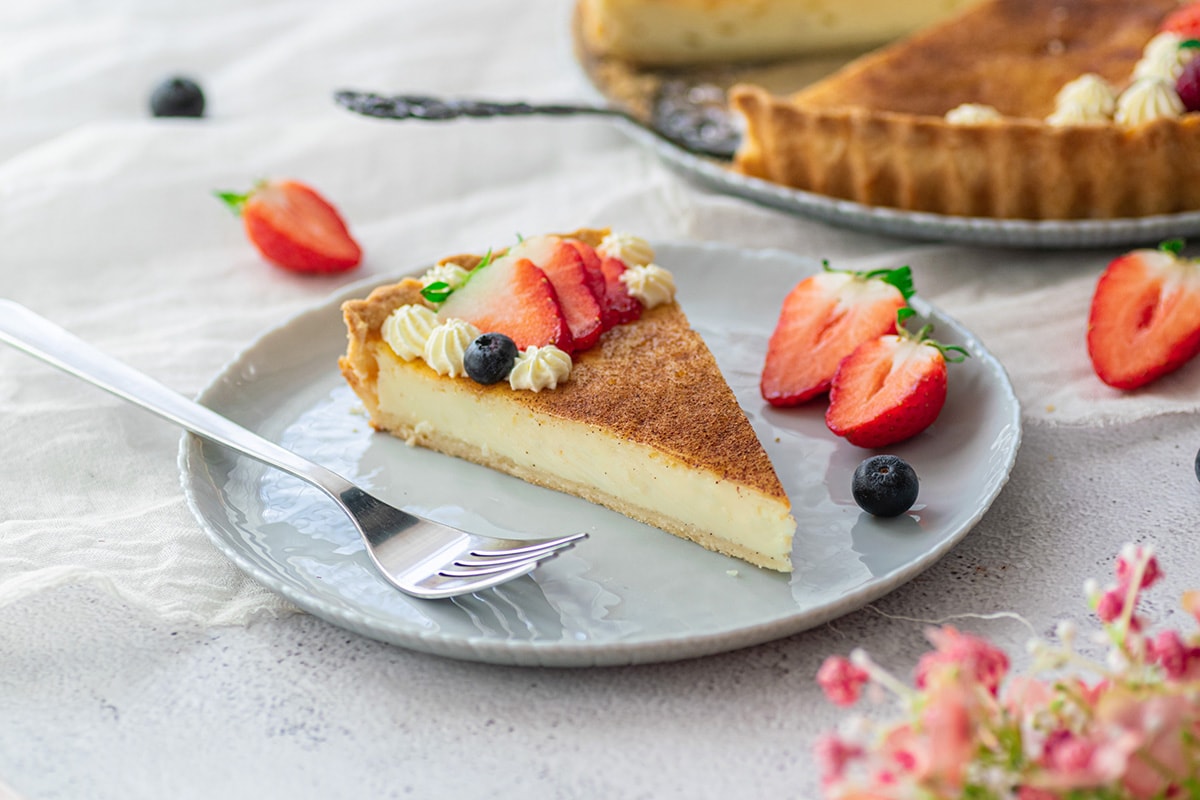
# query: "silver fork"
{"points": [[418, 556]]}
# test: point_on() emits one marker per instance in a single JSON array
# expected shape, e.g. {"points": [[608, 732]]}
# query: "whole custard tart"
{"points": [[1012, 109]]}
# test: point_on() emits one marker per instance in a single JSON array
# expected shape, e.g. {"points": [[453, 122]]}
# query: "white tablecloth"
{"points": [[138, 663]]}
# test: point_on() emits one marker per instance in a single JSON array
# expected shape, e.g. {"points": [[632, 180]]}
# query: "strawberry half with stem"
{"points": [[511, 296], [1145, 316], [822, 320], [890, 388], [294, 227]]}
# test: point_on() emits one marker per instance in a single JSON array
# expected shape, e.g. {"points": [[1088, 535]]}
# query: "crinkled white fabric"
{"points": [[109, 227]]}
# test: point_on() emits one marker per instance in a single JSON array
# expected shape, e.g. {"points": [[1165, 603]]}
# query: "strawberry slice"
{"points": [[822, 320], [890, 388], [620, 306], [591, 265], [513, 297], [1184, 21], [1145, 316], [564, 266], [294, 227]]}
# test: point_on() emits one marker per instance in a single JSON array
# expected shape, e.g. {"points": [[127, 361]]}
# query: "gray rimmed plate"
{"points": [[1048, 234], [630, 593]]}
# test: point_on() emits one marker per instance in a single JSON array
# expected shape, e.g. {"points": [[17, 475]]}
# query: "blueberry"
{"points": [[177, 97], [490, 358], [885, 486]]}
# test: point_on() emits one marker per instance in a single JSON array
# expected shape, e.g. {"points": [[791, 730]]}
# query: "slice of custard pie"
{"points": [[565, 361]]}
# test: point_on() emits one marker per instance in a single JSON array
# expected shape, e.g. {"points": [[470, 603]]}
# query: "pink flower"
{"points": [[976, 658], [1159, 728], [1133, 734], [946, 722], [833, 755], [1150, 574], [841, 681], [1025, 696], [1169, 652], [1033, 793], [1074, 761], [1111, 604]]}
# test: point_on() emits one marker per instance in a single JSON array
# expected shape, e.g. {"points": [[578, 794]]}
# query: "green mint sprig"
{"points": [[438, 291]]}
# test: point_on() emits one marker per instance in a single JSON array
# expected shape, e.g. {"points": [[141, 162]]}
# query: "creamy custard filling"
{"points": [[652, 483]]}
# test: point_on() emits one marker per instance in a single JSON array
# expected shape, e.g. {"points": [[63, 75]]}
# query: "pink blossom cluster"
{"points": [[1072, 729]]}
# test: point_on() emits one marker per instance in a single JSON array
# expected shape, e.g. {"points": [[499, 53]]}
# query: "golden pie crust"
{"points": [[875, 133]]}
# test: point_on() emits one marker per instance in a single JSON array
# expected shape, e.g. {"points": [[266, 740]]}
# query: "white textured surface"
{"points": [[121, 675]]}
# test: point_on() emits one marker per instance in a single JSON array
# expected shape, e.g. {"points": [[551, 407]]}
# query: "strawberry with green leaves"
{"points": [[294, 227], [891, 387], [1145, 316], [822, 320]]}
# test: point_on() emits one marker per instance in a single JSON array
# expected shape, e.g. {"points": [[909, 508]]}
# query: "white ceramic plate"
{"points": [[1057, 234], [630, 593]]}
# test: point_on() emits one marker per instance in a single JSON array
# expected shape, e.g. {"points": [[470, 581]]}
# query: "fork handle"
{"points": [[37, 336]]}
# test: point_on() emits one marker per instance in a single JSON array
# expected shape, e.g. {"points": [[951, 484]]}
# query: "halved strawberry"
{"points": [[564, 267], [1145, 316], [890, 388], [1184, 21], [513, 297], [620, 306], [822, 320], [295, 227]]}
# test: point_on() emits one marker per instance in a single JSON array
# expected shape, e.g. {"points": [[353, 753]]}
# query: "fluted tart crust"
{"points": [[875, 132]]}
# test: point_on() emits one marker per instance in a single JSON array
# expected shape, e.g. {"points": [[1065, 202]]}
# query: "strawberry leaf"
{"points": [[951, 352], [437, 292], [234, 200], [1172, 246], [900, 277]]}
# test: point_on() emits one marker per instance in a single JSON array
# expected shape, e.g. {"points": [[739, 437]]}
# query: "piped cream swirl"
{"points": [[633, 250], [446, 346], [1087, 100], [407, 329], [450, 274], [1163, 57], [1148, 99], [650, 284], [539, 368]]}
